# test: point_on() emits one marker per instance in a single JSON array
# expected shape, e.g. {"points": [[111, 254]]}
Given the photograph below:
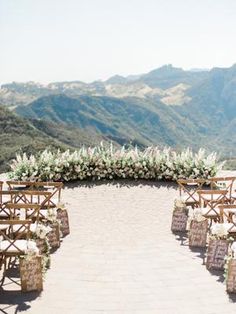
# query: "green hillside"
{"points": [[167, 106], [131, 120], [32, 136]]}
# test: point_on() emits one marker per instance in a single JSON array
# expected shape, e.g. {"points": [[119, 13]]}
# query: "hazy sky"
{"points": [[55, 40]]}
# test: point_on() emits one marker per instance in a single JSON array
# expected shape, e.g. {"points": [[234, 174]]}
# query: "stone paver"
{"points": [[122, 258]]}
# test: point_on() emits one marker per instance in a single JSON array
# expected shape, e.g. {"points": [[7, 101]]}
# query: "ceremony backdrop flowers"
{"points": [[108, 163]]}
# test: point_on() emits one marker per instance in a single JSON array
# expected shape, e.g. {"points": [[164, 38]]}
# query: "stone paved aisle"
{"points": [[122, 258]]}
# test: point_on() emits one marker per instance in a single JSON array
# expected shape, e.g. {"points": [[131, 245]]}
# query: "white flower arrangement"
{"points": [[219, 231], [60, 205], [231, 255], [32, 249], [179, 203], [196, 215], [108, 163], [51, 214], [42, 231]]}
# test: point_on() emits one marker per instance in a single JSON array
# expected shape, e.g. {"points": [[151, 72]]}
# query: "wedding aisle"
{"points": [[122, 258]]}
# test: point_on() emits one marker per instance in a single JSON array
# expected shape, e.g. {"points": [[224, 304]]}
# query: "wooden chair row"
{"points": [[22, 207], [189, 188]]}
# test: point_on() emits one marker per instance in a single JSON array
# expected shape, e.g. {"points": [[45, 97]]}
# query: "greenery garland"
{"points": [[101, 162]]}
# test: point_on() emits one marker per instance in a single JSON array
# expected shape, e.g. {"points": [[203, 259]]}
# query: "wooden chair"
{"points": [[24, 211], [209, 201], [228, 218], [23, 197], [188, 189], [54, 188], [6, 197], [12, 244], [225, 183]]}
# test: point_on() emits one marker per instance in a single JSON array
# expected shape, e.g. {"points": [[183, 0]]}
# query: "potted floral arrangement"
{"points": [[41, 239], [62, 217], [218, 245], [198, 227], [31, 269], [179, 216], [230, 269], [54, 235]]}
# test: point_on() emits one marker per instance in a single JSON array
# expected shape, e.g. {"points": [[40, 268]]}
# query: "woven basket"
{"points": [[62, 216], [31, 273], [198, 233], [216, 252], [231, 278]]}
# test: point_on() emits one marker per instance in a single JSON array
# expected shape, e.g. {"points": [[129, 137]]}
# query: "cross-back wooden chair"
{"points": [[6, 197], [24, 211], [35, 197], [1, 185], [188, 190], [228, 217], [209, 201], [12, 245], [224, 183], [54, 188], [26, 197]]}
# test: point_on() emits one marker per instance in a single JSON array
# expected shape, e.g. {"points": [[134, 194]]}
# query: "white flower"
{"points": [[42, 231], [51, 214], [32, 248], [219, 230], [197, 215], [233, 248]]}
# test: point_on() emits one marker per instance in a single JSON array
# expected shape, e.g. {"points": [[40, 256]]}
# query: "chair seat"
{"points": [[6, 199], [4, 227], [230, 210], [33, 227], [213, 197], [209, 212], [7, 213], [23, 246], [230, 227], [188, 199], [233, 195]]}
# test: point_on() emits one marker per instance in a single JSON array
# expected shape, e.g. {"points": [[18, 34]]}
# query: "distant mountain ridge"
{"points": [[167, 106], [156, 83]]}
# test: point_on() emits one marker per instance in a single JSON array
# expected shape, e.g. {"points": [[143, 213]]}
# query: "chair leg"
{"points": [[3, 263]]}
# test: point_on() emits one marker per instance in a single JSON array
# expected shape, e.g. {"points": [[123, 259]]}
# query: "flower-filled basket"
{"points": [[230, 270], [62, 217], [40, 237], [217, 249], [179, 217], [54, 235], [198, 230], [31, 270]]}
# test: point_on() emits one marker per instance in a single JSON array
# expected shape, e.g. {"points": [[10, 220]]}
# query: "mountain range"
{"points": [[167, 106]]}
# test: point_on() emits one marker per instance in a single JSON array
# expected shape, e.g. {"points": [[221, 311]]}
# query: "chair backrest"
{"points": [[189, 188], [225, 183], [6, 197], [31, 197], [212, 199], [10, 238], [53, 187], [24, 211], [1, 185], [227, 212]]}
